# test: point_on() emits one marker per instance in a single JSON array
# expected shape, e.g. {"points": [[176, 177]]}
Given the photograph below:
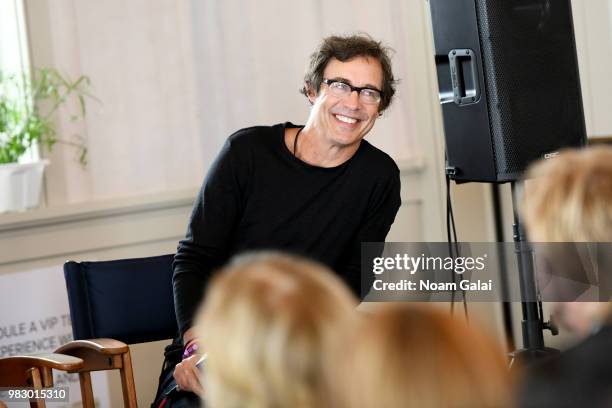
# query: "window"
{"points": [[14, 55], [13, 38]]}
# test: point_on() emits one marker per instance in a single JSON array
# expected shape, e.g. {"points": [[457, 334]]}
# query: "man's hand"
{"points": [[187, 375]]}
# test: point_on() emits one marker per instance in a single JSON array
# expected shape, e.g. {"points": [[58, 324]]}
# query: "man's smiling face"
{"points": [[344, 121]]}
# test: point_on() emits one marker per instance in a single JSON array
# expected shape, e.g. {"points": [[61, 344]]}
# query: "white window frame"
{"points": [[14, 48]]}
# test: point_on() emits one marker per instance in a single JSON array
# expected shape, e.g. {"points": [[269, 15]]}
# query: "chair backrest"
{"points": [[130, 300]]}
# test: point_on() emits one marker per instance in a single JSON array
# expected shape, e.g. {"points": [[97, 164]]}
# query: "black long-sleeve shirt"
{"points": [[257, 195]]}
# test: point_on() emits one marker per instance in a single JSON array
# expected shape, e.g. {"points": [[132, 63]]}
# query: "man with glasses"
{"points": [[317, 190]]}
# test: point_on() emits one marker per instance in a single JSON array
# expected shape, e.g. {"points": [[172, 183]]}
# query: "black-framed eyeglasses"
{"points": [[342, 90]]}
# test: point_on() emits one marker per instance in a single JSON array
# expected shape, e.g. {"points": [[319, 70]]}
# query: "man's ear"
{"points": [[310, 93]]}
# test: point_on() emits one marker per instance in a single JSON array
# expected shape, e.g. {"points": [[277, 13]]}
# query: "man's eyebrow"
{"points": [[348, 81]]}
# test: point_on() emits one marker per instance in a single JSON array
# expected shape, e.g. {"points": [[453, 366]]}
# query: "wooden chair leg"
{"points": [[87, 398], [46, 376], [127, 381], [34, 378]]}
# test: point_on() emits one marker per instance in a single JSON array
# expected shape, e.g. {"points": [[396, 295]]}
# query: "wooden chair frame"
{"points": [[36, 371], [99, 355]]}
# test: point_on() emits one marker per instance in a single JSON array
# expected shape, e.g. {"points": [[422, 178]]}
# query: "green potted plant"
{"points": [[28, 105]]}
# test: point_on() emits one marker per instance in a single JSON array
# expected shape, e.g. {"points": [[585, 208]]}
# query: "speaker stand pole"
{"points": [[533, 324], [503, 275]]}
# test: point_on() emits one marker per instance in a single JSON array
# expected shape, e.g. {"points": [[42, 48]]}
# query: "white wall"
{"points": [[176, 78], [593, 30], [145, 136]]}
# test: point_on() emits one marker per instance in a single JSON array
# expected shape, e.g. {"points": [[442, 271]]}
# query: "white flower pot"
{"points": [[20, 185]]}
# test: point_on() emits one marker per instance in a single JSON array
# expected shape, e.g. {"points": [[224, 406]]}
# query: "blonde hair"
{"points": [[570, 197], [266, 324], [414, 356]]}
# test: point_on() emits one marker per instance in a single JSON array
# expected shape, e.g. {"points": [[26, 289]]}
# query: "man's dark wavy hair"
{"points": [[345, 48]]}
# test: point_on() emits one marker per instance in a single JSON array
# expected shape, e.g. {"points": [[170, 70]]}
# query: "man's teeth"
{"points": [[345, 119]]}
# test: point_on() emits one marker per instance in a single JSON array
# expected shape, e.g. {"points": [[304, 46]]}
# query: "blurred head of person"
{"points": [[569, 199], [407, 355], [267, 324]]}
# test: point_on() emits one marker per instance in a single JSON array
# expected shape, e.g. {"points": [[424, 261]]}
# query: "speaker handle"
{"points": [[465, 84]]}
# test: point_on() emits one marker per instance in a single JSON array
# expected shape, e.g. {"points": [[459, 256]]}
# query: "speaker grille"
{"points": [[531, 80]]}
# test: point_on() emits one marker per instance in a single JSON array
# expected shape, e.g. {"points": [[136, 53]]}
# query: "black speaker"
{"points": [[509, 85]]}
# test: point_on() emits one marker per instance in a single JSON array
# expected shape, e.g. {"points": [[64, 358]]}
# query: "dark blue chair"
{"points": [[113, 304]]}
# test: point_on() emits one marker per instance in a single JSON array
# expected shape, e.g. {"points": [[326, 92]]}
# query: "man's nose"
{"points": [[352, 100]]}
